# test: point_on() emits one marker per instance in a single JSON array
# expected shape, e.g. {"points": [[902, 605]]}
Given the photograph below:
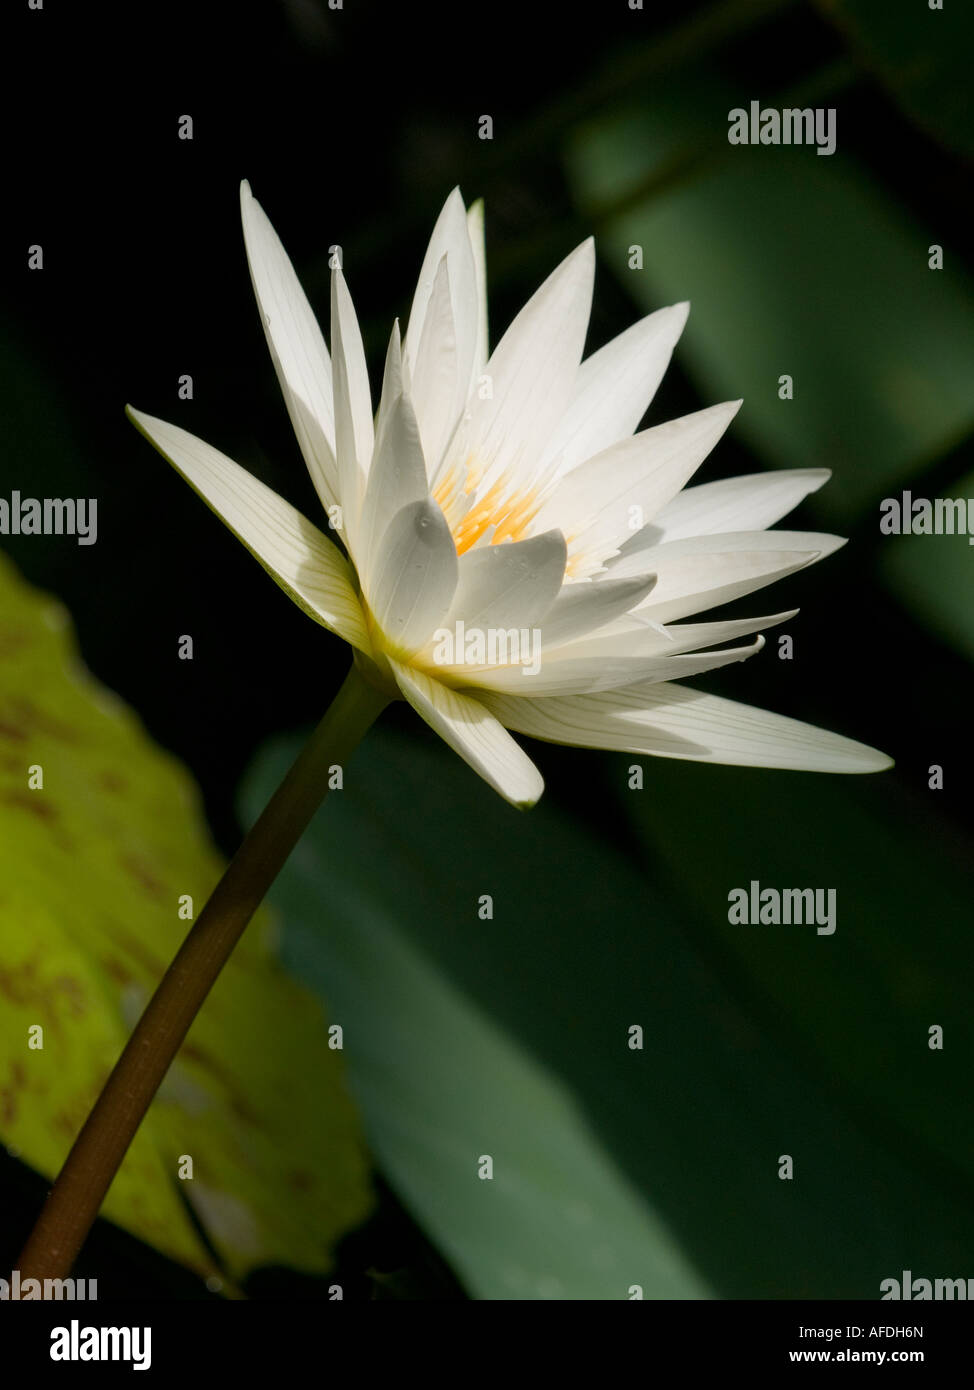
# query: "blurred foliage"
{"points": [[440, 1082], [794, 264], [93, 865], [922, 54], [510, 1036], [931, 575]]}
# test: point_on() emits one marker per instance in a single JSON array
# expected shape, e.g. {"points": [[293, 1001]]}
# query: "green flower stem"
{"points": [[75, 1199]]}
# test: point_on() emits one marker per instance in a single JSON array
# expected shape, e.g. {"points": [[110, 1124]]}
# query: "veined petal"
{"points": [[581, 609], [673, 721], [749, 503], [531, 373], [396, 479], [307, 566], [415, 576], [475, 229], [439, 388], [631, 637], [688, 637], [510, 585], [615, 386], [702, 572], [354, 437], [451, 238], [482, 742], [594, 503], [296, 346], [578, 675], [393, 379]]}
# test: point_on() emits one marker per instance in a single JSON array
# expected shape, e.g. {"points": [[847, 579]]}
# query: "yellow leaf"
{"points": [[101, 839]]}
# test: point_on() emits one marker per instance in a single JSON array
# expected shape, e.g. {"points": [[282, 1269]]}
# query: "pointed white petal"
{"points": [[688, 637], [354, 438], [631, 637], [530, 374], [307, 566], [451, 238], [702, 572], [392, 379], [296, 346], [674, 721], [483, 743], [562, 675], [475, 228], [749, 503], [396, 479], [594, 504], [439, 390], [615, 386], [584, 608], [415, 576]]}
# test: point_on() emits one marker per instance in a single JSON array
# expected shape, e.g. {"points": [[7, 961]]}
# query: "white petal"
{"points": [[584, 608], [451, 238], [615, 386], [510, 585], [582, 675], [307, 566], [702, 572], [688, 637], [296, 346], [475, 228], [354, 439], [396, 479], [415, 575], [439, 390], [594, 503], [631, 636], [393, 379], [674, 721], [480, 740], [749, 503], [531, 373]]}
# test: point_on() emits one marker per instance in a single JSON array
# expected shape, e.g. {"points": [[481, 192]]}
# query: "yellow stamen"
{"points": [[511, 513]]}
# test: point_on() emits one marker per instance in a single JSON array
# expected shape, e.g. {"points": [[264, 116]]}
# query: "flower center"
{"points": [[506, 509]]}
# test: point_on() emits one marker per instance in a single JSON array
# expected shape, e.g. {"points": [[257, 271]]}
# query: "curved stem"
{"points": [[87, 1174]]}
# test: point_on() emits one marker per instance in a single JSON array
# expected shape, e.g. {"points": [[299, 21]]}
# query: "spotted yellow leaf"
{"points": [[102, 844]]}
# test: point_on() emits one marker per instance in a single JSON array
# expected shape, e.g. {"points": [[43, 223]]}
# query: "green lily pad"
{"points": [[93, 865]]}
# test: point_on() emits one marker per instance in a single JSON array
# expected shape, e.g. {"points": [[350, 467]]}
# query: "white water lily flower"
{"points": [[508, 495]]}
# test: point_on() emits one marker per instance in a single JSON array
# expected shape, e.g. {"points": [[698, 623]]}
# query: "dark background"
{"points": [[352, 127]]}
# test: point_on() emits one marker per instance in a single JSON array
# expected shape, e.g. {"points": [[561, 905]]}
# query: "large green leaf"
{"points": [[796, 264], [440, 1083], [92, 868], [509, 1037]]}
